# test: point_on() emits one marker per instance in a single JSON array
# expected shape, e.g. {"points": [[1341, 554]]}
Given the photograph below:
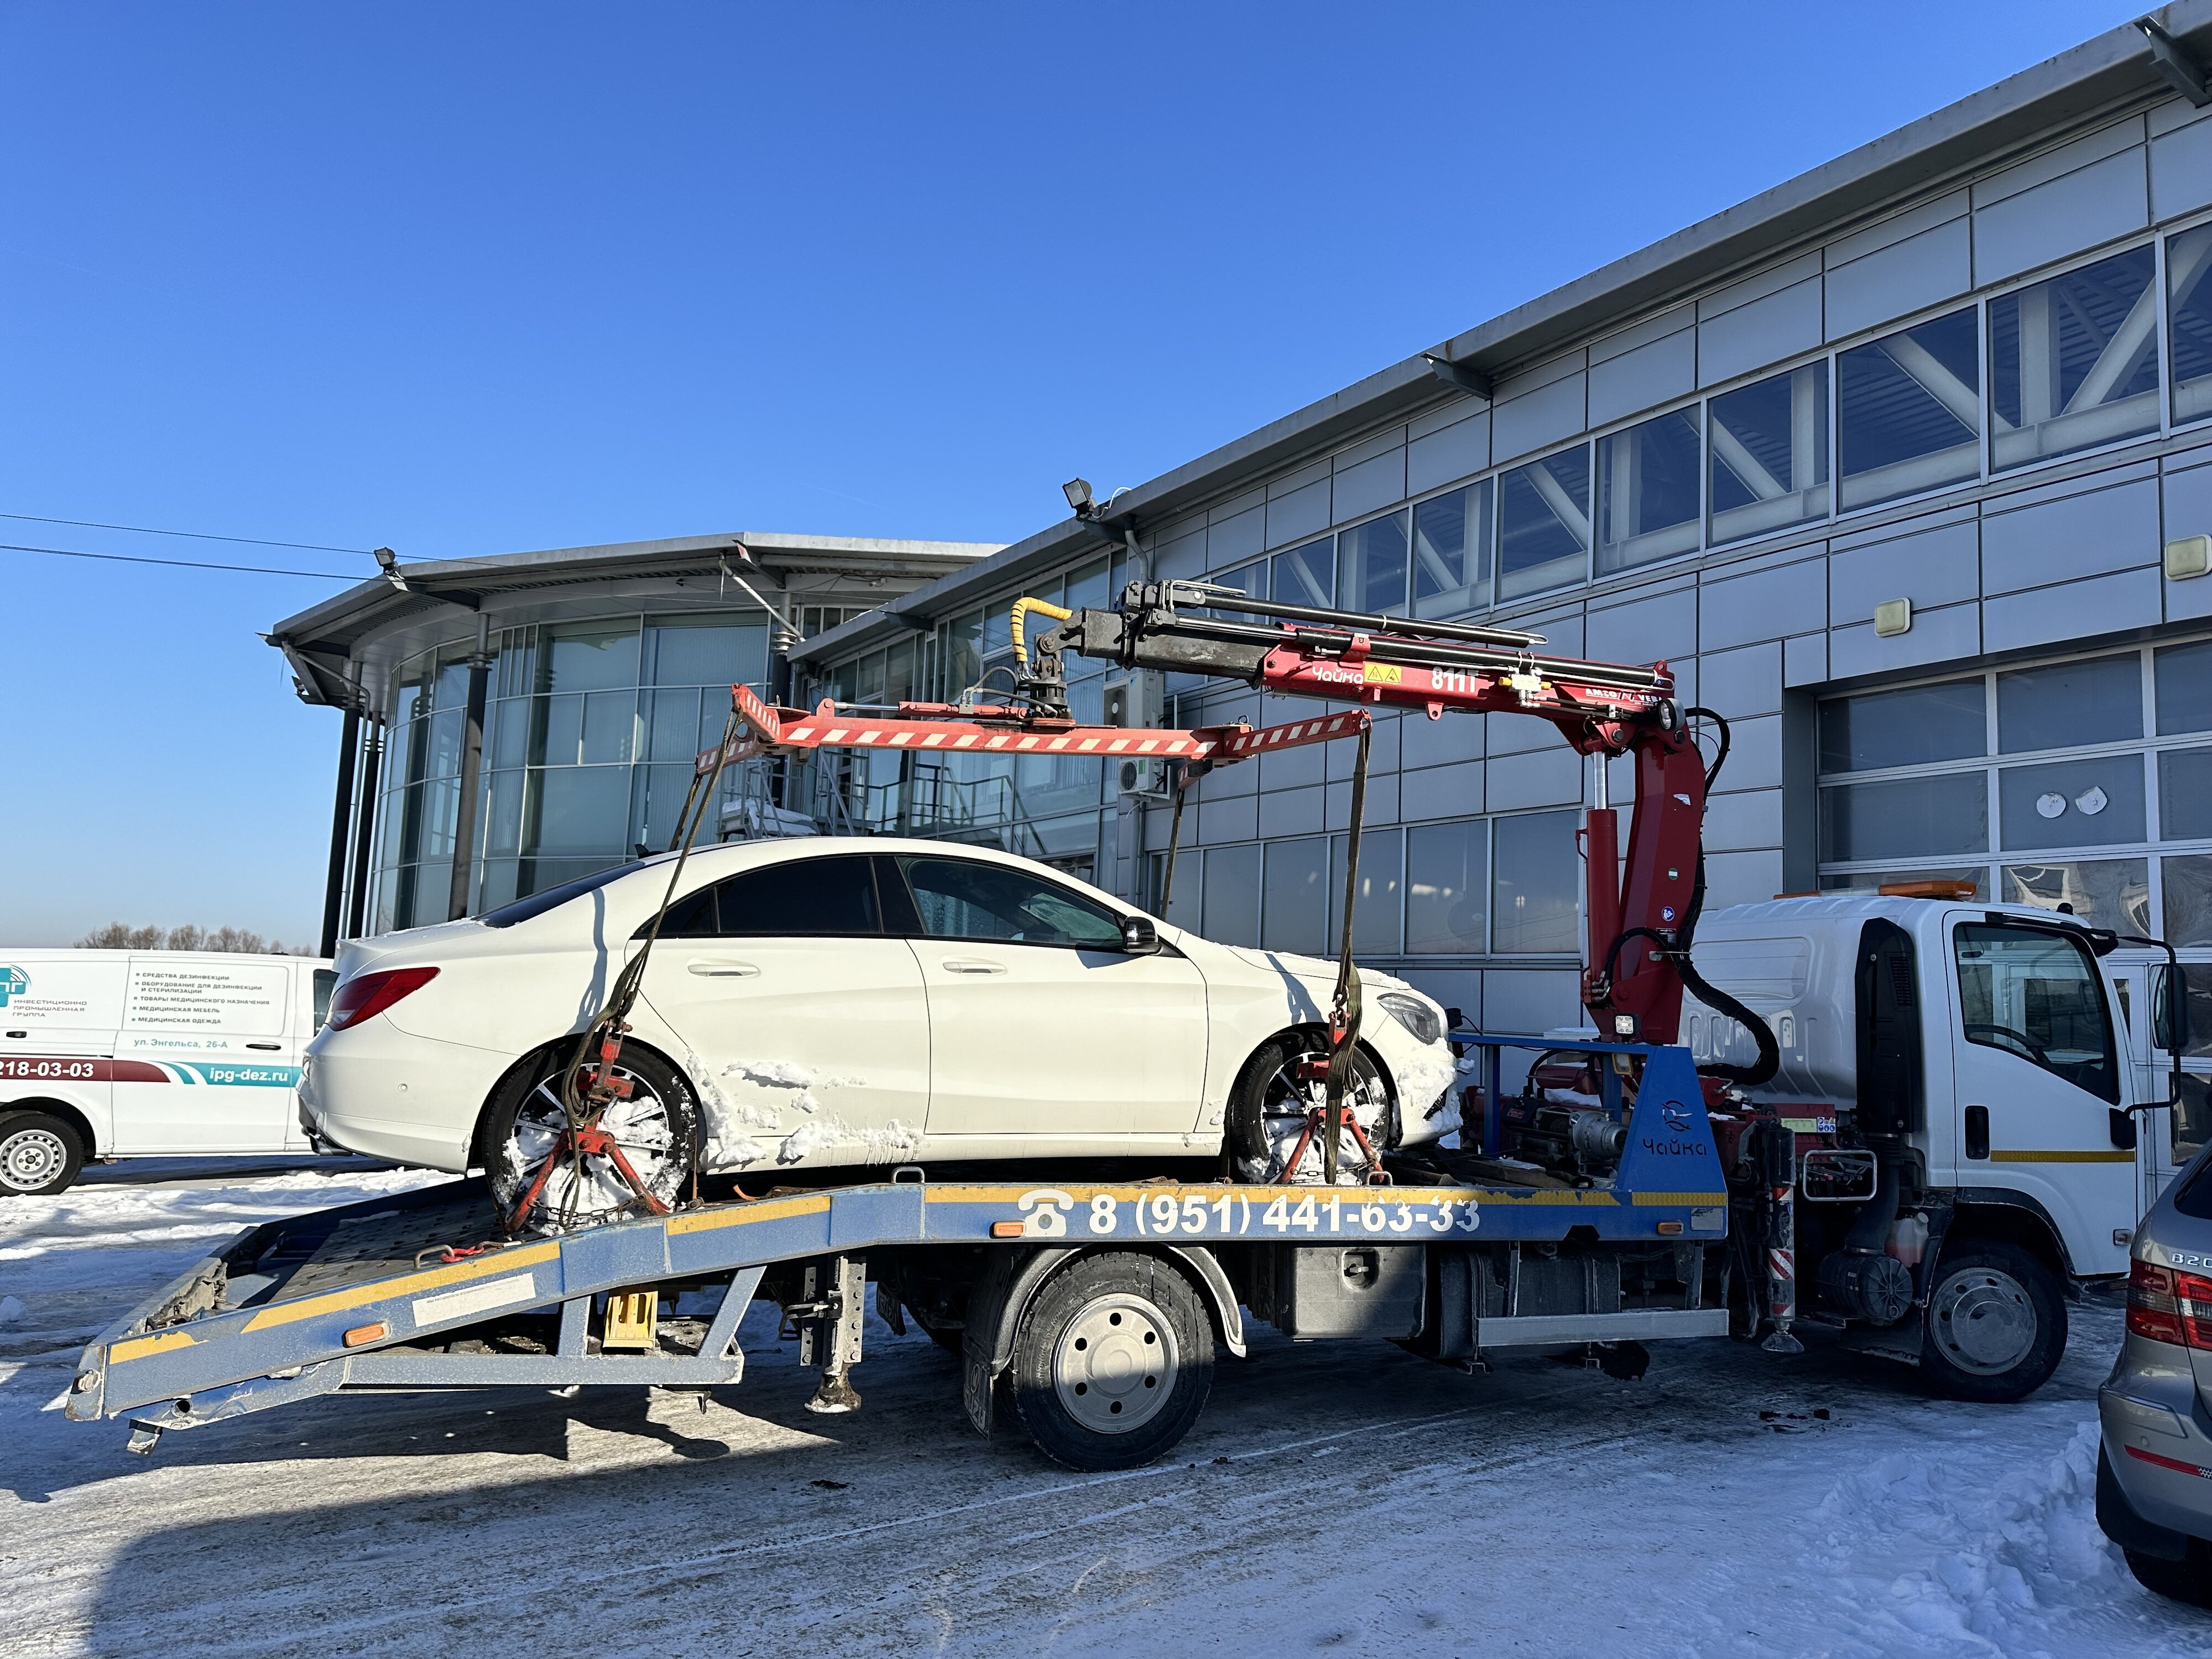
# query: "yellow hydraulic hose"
{"points": [[1057, 612]]}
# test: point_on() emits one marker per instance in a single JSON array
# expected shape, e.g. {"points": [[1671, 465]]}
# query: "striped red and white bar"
{"points": [[768, 728]]}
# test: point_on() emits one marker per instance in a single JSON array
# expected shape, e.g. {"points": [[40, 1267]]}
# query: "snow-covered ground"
{"points": [[1335, 1496]]}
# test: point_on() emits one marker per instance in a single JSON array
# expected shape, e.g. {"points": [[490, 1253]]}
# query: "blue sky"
{"points": [[475, 279]]}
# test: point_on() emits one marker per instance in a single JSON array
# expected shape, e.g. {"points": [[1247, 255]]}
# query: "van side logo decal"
{"points": [[13, 980]]}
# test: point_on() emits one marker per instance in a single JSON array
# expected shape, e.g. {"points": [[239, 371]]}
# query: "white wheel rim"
{"points": [[1983, 1320], [1115, 1365], [30, 1158], [1285, 1102]]}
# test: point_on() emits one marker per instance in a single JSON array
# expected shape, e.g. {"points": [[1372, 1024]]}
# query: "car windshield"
{"points": [[539, 903]]}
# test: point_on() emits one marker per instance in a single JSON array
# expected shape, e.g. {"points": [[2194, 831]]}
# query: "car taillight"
{"points": [[367, 995], [2167, 1306]]}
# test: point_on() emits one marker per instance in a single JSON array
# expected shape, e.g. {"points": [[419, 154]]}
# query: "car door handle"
{"points": [[269, 1048], [970, 965], [722, 967]]}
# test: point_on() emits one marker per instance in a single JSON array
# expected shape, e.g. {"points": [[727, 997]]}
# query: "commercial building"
{"points": [[1905, 467], [516, 720]]}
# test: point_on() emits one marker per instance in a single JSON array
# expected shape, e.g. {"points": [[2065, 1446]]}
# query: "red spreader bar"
{"points": [[941, 728]]}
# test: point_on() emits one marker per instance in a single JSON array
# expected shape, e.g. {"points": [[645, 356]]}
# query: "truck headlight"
{"points": [[1415, 1015]]}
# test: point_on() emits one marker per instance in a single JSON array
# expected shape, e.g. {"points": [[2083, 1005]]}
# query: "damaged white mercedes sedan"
{"points": [[836, 1003]]}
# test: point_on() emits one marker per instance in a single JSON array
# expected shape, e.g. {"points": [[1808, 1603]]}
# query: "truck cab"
{"points": [[1984, 1055]]}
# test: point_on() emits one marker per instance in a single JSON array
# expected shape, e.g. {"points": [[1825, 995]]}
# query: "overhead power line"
{"points": [[192, 535], [180, 564]]}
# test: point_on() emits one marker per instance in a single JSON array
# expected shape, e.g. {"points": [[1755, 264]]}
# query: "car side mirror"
{"points": [[1139, 936]]}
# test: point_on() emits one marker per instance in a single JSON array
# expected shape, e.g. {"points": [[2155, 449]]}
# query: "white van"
{"points": [[113, 1054]]}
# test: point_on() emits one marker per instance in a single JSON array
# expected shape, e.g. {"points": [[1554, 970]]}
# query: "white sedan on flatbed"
{"points": [[837, 1003]]}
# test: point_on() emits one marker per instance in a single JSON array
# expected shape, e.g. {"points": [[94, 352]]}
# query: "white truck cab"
{"points": [[1983, 1044], [117, 1053]]}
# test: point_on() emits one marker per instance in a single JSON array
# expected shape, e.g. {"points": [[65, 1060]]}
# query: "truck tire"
{"points": [[1113, 1361], [658, 1133], [39, 1154], [1996, 1323]]}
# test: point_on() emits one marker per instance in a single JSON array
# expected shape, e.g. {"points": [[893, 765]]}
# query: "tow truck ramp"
{"points": [[421, 1292]]}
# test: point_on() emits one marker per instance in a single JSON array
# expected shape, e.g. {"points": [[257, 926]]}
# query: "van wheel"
{"points": [[39, 1154], [1113, 1361], [1997, 1324], [656, 1126]]}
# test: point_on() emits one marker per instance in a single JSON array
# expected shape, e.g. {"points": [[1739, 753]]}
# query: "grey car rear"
{"points": [[2155, 1466]]}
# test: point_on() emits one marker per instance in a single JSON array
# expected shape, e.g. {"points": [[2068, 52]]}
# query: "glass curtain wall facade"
{"points": [[589, 728]]}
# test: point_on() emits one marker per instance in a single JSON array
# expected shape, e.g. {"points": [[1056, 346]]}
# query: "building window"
{"points": [[2068, 704], [1377, 910], [1909, 727], [2189, 316], [1305, 576], [1447, 888], [2074, 361], [1293, 901], [1231, 905], [1249, 579], [2121, 834], [1373, 560], [1770, 453], [1451, 552], [1647, 504], [1535, 885], [1908, 818], [1909, 410], [1544, 524]]}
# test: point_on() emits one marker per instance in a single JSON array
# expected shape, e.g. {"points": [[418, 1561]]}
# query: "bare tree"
{"points": [[122, 936]]}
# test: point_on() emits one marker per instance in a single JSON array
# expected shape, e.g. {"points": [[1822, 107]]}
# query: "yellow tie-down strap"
{"points": [[482, 1266]]}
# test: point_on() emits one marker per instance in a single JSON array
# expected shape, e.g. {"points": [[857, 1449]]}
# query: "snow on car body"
{"points": [[857, 1001]]}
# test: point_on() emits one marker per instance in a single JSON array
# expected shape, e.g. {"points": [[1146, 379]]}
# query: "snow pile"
{"points": [[770, 1074], [1985, 1565], [807, 1140], [1423, 1088], [10, 1310]]}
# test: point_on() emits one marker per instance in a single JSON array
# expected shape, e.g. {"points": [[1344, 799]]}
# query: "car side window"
{"points": [[961, 898], [2037, 994], [796, 898]]}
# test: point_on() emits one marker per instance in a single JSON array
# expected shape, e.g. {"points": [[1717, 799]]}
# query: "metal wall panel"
{"points": [[1290, 811], [1550, 776], [1739, 683], [1289, 769], [1243, 536], [1233, 819], [1791, 598], [1742, 878], [1365, 486], [1905, 278], [2079, 211], [1736, 822], [1539, 418], [1765, 331], [1945, 635], [1650, 374], [1754, 759], [2072, 610], [1648, 626], [1448, 455], [2101, 530], [1805, 659], [1424, 742], [1440, 792], [1931, 567], [2181, 170], [1298, 514]]}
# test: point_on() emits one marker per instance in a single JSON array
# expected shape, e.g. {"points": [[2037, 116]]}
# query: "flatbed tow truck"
{"points": [[1593, 1212]]}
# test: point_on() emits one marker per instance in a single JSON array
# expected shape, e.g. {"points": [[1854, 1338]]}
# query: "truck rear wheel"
{"points": [[1996, 1323], [39, 1154], [1113, 1361]]}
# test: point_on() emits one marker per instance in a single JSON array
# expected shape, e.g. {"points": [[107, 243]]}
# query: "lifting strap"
{"points": [[1344, 1014]]}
